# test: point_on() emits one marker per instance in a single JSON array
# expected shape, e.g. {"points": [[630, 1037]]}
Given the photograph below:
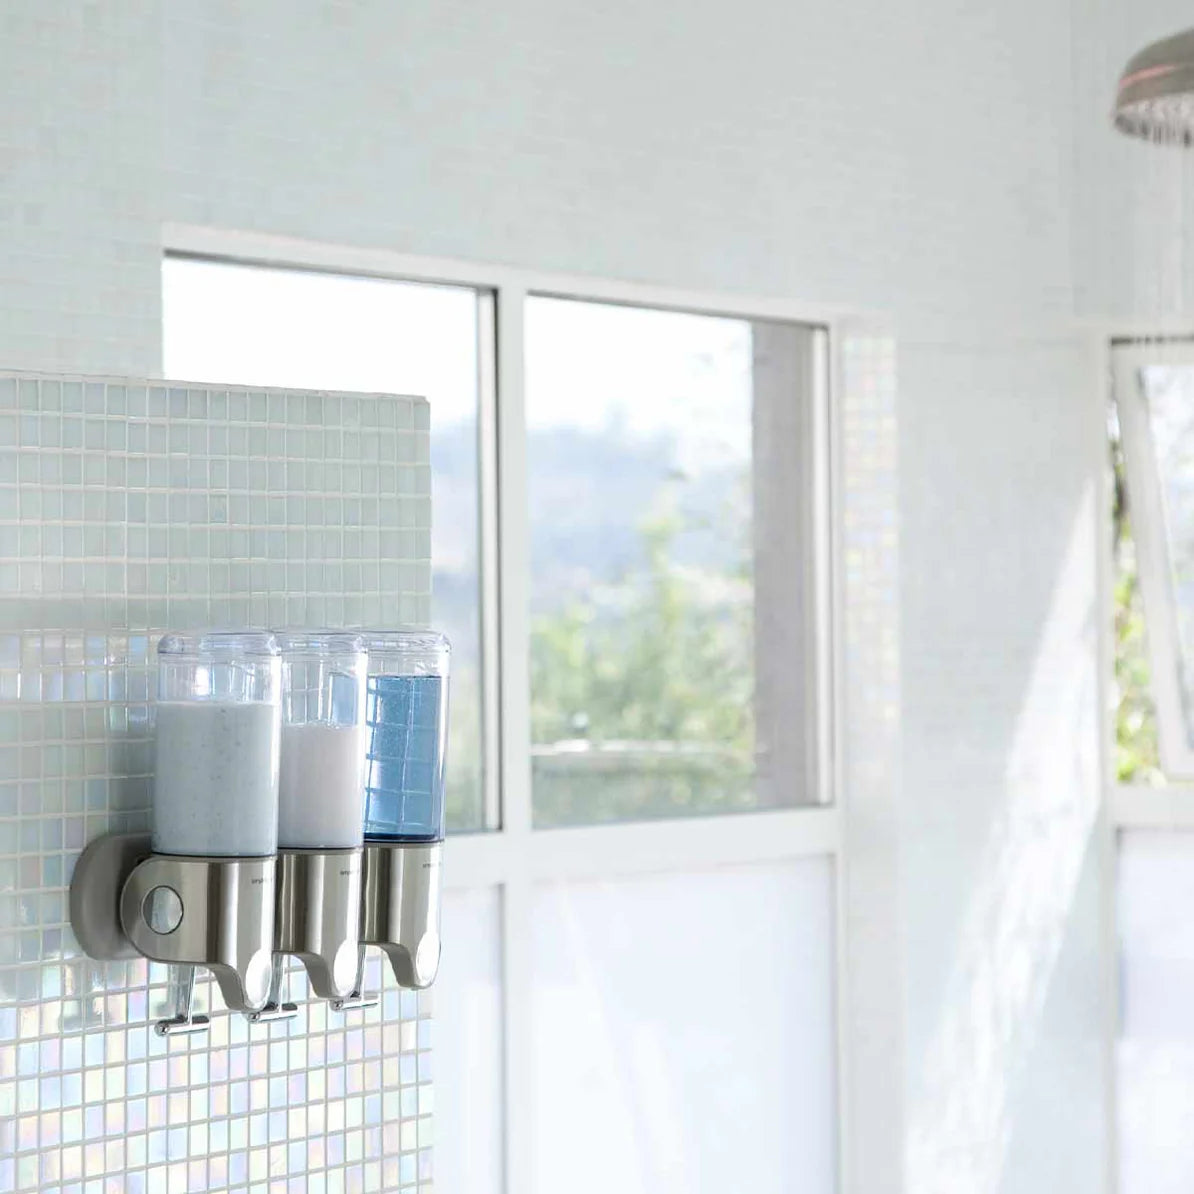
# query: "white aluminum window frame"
{"points": [[1117, 354], [1146, 504], [513, 856]]}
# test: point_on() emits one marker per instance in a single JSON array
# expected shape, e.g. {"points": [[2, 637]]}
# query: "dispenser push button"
{"points": [[163, 910]]}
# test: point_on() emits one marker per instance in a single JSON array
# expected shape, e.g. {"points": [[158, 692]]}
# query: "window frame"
{"points": [[510, 854], [1146, 504], [1116, 352]]}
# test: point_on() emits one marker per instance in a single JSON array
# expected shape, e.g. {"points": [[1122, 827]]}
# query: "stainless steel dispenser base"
{"points": [[318, 917], [213, 912], [402, 907]]}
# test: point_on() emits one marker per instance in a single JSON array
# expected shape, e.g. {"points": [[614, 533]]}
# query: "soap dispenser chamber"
{"points": [[406, 716], [320, 809], [198, 891]]}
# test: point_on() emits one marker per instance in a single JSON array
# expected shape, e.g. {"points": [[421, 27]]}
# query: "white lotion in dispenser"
{"points": [[320, 814], [322, 785], [205, 895], [216, 746]]}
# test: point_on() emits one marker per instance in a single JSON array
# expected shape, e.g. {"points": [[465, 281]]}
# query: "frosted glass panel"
{"points": [[468, 1046], [1156, 1045], [684, 1033]]}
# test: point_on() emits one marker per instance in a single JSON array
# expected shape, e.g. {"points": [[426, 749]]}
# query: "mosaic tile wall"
{"points": [[872, 1073], [126, 509]]}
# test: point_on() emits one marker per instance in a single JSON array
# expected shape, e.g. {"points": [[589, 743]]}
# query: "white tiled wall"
{"points": [[1000, 527], [129, 508], [843, 154], [80, 138]]}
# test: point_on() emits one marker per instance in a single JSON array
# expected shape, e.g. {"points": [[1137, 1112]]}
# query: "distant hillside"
{"points": [[592, 492]]}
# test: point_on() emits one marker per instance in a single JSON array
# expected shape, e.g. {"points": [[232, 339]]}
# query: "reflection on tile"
{"points": [[126, 509]]}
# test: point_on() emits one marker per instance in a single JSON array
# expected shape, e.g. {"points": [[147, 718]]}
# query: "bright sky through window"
{"points": [[251, 325]]}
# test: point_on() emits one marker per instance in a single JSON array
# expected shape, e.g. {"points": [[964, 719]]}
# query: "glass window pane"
{"points": [[1136, 743], [249, 325], [669, 486], [1169, 395], [1155, 1055], [684, 1033], [468, 1046]]}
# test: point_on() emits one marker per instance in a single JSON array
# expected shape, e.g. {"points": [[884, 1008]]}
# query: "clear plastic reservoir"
{"points": [[216, 744], [321, 788], [406, 719]]}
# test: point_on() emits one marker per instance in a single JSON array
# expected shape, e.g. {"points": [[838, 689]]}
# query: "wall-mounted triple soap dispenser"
{"points": [[298, 809]]}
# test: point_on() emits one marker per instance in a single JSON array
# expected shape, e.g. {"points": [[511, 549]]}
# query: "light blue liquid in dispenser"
{"points": [[406, 717]]}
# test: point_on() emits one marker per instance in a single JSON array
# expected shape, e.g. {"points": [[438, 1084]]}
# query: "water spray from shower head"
{"points": [[1155, 98]]}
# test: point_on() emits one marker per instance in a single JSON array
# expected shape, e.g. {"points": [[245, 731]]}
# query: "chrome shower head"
{"points": [[1155, 98]]}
